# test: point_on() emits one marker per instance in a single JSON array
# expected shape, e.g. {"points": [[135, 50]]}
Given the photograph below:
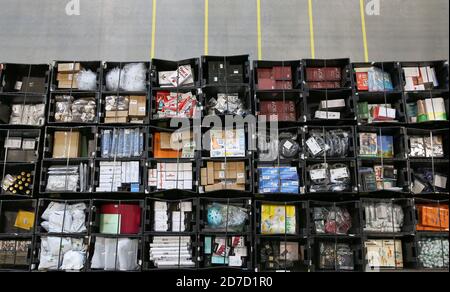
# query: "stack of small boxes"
{"points": [[163, 215], [321, 78], [68, 75], [119, 176], [223, 176], [169, 176], [125, 109], [278, 77], [278, 110], [278, 180]]}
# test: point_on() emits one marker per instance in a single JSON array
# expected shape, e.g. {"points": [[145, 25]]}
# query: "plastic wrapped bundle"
{"points": [[117, 103], [336, 257], [433, 253], [68, 109], [30, 115], [87, 80], [334, 220], [383, 217], [59, 253], [223, 217], [131, 78], [333, 143], [227, 104]]}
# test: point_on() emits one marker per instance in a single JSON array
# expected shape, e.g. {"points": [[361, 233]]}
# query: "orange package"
{"points": [[161, 146], [433, 218]]}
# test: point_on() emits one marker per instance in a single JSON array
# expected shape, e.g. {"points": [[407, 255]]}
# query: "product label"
{"points": [[313, 146], [440, 181], [288, 145], [317, 174], [339, 173]]}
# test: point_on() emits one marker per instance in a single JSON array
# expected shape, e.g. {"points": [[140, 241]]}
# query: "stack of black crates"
{"points": [[355, 177]]}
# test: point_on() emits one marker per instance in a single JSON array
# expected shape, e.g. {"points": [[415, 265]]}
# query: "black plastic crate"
{"points": [[119, 67], [68, 187], [215, 251], [295, 73], [316, 103], [429, 177], [181, 134], [279, 255], [9, 214], [45, 245], [126, 186], [431, 217], [338, 254], [130, 224], [178, 256], [437, 117], [432, 252], [391, 68], [343, 181], [332, 136], [20, 145], [112, 153], [389, 100], [178, 169], [277, 210], [158, 65], [334, 219], [286, 108], [228, 217], [87, 143], [15, 254], [15, 77], [120, 247], [441, 69], [230, 65], [93, 66], [385, 218], [375, 177], [187, 210], [20, 180], [14, 110], [183, 110], [400, 259], [70, 221], [230, 189], [397, 150], [278, 187], [226, 104], [62, 107], [428, 144], [344, 66], [282, 145]]}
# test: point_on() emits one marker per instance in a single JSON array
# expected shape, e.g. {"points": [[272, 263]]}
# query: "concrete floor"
{"points": [[40, 31]]}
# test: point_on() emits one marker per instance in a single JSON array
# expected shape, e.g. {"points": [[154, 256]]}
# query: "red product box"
{"points": [[282, 73], [286, 85], [362, 81], [264, 73], [266, 84], [323, 85], [323, 74], [333, 74], [276, 107], [130, 216]]}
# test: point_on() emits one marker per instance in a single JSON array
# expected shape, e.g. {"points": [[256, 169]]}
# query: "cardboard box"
{"points": [[66, 144], [116, 114], [225, 166], [69, 67], [67, 77], [204, 176], [330, 104], [210, 166], [116, 120], [138, 106]]}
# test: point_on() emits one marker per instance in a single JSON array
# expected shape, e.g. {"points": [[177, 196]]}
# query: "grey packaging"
{"points": [[114, 143], [136, 143], [121, 143], [106, 143], [127, 144]]}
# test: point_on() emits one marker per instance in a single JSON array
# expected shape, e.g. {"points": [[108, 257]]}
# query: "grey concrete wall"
{"points": [[40, 31]]}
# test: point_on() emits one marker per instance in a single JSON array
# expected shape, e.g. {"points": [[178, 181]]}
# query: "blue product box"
{"points": [[289, 190], [269, 190], [289, 183], [135, 188], [269, 171], [269, 183], [106, 143], [121, 143]]}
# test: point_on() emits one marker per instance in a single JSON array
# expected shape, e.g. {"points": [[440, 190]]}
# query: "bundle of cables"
{"points": [[285, 146], [334, 143], [330, 178]]}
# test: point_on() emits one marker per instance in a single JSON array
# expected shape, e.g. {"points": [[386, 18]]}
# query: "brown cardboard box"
{"points": [[67, 84], [116, 114], [224, 166], [210, 166], [116, 120], [166, 140], [213, 188], [137, 107], [69, 67], [204, 177], [66, 144], [222, 174], [66, 77]]}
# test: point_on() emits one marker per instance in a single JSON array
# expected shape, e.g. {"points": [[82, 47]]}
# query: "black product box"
{"points": [[21, 156], [223, 72]]}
